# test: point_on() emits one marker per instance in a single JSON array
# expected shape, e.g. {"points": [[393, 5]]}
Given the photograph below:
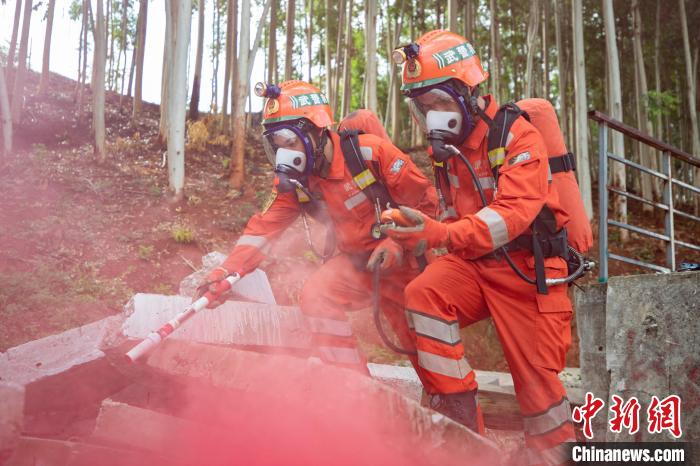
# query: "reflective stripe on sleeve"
{"points": [[497, 226], [355, 200], [340, 355], [455, 368], [509, 139], [437, 329], [549, 420], [335, 327], [251, 240]]}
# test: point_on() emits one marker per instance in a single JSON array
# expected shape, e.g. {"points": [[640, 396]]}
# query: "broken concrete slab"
{"points": [[287, 396], [11, 418], [34, 451], [54, 354], [64, 376], [234, 322], [652, 345], [254, 286]]}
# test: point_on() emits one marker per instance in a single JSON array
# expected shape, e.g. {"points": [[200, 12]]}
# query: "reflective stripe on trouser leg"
{"points": [[547, 421], [455, 368], [433, 327]]}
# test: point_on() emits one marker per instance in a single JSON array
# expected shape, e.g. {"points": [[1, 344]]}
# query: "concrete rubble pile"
{"points": [[233, 385]]}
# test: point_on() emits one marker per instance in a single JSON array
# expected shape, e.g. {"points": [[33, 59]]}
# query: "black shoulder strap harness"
{"points": [[363, 176], [545, 240]]}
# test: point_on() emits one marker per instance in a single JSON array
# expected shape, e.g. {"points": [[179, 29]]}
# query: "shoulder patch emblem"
{"points": [[519, 158], [270, 199], [397, 165]]}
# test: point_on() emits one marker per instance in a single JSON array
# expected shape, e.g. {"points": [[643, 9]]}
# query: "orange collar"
{"points": [[337, 170], [478, 134]]}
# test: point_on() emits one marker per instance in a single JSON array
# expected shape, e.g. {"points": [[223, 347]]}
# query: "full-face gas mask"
{"points": [[443, 115], [290, 150]]}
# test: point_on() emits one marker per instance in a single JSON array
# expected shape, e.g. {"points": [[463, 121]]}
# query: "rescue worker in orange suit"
{"points": [[311, 173], [441, 75]]}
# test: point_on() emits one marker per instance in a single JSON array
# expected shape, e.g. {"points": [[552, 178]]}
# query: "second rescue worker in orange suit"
{"points": [[441, 76], [307, 154]]}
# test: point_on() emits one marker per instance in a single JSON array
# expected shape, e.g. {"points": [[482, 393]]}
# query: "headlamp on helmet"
{"points": [[271, 91]]}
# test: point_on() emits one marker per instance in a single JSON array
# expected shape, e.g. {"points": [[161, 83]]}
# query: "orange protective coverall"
{"points": [[343, 282], [469, 285]]}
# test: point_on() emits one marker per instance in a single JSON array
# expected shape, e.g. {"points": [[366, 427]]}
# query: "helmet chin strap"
{"points": [[476, 109], [321, 164]]}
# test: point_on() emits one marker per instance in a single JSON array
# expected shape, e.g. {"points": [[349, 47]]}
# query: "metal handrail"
{"points": [[669, 152]]}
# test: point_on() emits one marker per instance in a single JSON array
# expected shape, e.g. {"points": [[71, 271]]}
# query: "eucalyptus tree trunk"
{"points": [[394, 78], [256, 42], [44, 81], [84, 41], [327, 54], [495, 65], [452, 12], [230, 33], [650, 188], [272, 45], [241, 91], [196, 79], [657, 68], [141, 27], [18, 85], [690, 83], [309, 36], [5, 115], [533, 24], [13, 40], [181, 21], [469, 20], [290, 40], [347, 64], [615, 110], [583, 168], [167, 71], [545, 49], [121, 59], [335, 75], [371, 44], [98, 84], [233, 64], [216, 45], [562, 69]]}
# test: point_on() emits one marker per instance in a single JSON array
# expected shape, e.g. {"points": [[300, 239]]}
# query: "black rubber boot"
{"points": [[460, 407]]}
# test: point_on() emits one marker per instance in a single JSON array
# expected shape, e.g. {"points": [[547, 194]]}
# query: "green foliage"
{"points": [[662, 103], [182, 234]]}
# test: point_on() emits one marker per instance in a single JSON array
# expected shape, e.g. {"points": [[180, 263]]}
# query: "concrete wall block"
{"points": [[326, 392], [255, 286], [11, 418], [653, 346], [234, 322]]}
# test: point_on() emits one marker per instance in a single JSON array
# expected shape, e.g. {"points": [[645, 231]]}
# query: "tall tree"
{"points": [[327, 49], [532, 25], [166, 76], [371, 54], [345, 104], [452, 13], [562, 69], [141, 26], [290, 40], [84, 47], [18, 87], [545, 49], [13, 39], [230, 51], [5, 115], [615, 110], [272, 45], [194, 100], [335, 71], [650, 188], [241, 90], [309, 36], [98, 83], [44, 81], [469, 20], [494, 62], [181, 21], [690, 80], [657, 68], [582, 166], [123, 45]]}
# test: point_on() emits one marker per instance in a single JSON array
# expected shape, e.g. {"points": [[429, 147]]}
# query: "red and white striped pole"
{"points": [[154, 338]]}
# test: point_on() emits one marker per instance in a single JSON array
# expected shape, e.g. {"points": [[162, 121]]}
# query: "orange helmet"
{"points": [[436, 57], [293, 100]]}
